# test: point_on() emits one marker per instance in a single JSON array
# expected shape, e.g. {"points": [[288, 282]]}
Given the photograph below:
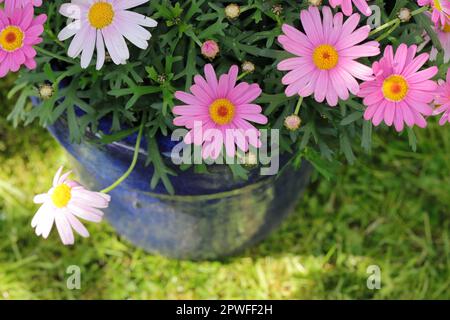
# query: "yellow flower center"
{"points": [[61, 195], [11, 38], [325, 57], [446, 28], [395, 88], [101, 15], [437, 5], [222, 111]]}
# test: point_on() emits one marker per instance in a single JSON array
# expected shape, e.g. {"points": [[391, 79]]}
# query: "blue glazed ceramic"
{"points": [[209, 217]]}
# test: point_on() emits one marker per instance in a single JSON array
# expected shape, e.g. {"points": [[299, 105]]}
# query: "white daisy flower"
{"points": [[63, 203], [100, 23]]}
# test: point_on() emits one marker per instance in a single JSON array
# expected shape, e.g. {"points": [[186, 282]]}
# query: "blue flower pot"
{"points": [[209, 217]]}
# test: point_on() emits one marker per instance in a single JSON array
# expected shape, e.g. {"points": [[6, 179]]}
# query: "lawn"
{"points": [[391, 209]]}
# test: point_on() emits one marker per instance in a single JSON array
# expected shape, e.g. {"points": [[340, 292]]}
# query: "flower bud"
{"points": [[162, 78], [232, 11], [315, 2], [293, 122], [277, 9], [248, 66], [210, 49], [46, 91], [404, 15]]}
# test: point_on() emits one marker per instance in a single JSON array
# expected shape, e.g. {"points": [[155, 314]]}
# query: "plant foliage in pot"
{"points": [[199, 122]]}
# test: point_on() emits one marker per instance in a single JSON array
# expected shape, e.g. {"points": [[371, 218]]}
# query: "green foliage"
{"points": [[148, 82]]}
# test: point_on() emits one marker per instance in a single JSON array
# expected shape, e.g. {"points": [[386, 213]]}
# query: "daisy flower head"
{"points": [[104, 23], [19, 32], [219, 112], [347, 7], [443, 101], [326, 53], [440, 10], [400, 93], [63, 204]]}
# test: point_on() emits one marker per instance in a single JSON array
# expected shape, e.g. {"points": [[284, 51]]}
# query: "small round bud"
{"points": [[315, 2], [292, 122], [404, 15], [277, 9], [46, 91], [210, 49], [248, 66], [232, 11], [162, 78]]}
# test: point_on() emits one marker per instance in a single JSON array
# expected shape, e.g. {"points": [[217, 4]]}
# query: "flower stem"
{"points": [[53, 55], [133, 162], [396, 22], [242, 75], [299, 104], [387, 33]]}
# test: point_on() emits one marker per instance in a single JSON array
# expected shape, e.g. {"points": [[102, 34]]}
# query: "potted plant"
{"points": [[198, 123]]}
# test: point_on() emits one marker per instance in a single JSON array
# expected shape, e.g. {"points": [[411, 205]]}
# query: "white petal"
{"points": [[85, 212], [77, 44], [92, 199], [64, 229], [56, 177], [128, 4], [100, 50], [133, 17], [77, 225], [63, 178], [41, 198], [46, 223], [69, 31], [89, 47], [70, 10], [39, 215]]}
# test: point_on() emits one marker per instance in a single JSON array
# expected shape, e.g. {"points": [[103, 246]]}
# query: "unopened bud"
{"points": [[315, 2], [404, 15], [248, 66], [210, 49], [46, 91], [293, 122], [232, 11], [277, 9]]}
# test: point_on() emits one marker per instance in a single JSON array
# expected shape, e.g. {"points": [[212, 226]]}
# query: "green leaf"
{"points": [[355, 116], [118, 136]]}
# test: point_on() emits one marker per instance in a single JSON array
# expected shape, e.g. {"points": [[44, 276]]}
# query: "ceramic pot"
{"points": [[210, 216]]}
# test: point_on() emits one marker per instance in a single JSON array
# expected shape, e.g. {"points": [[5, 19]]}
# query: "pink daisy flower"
{"points": [[223, 106], [441, 10], [400, 93], [100, 23], [63, 203], [443, 101], [325, 64], [21, 3], [19, 32], [348, 9]]}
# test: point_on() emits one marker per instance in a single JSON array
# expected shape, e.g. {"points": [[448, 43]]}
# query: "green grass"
{"points": [[391, 209]]}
